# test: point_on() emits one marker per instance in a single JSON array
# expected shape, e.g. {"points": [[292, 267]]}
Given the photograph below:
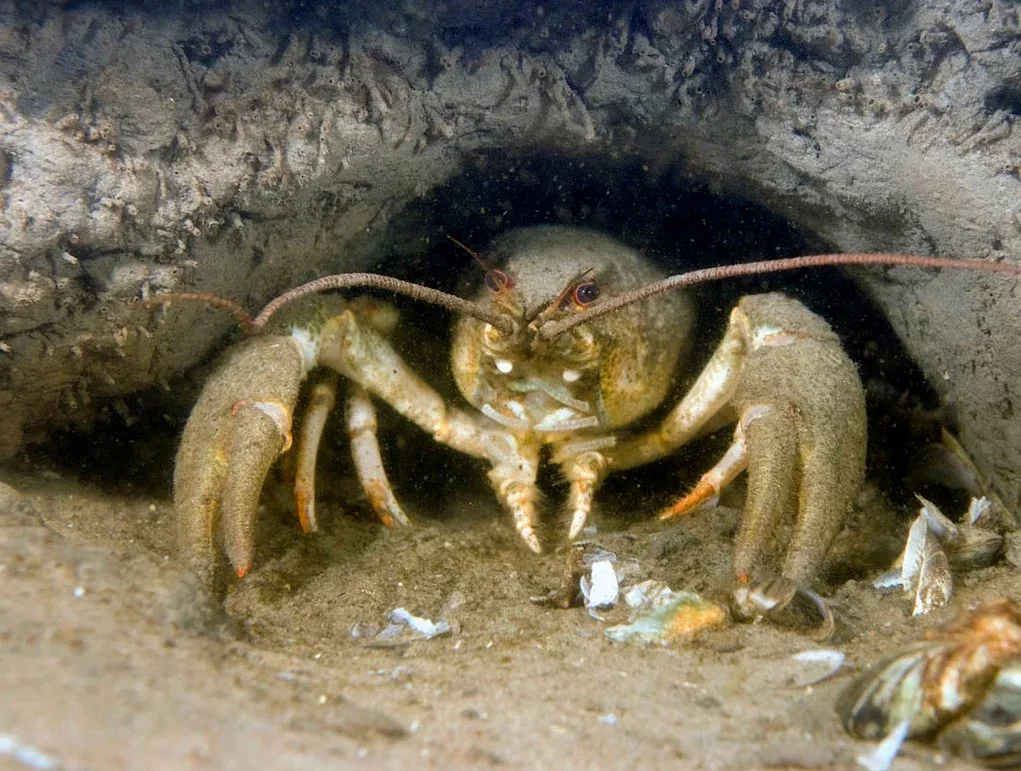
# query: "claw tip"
{"points": [[305, 518]]}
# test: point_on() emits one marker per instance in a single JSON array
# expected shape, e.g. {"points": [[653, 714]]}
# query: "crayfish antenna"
{"points": [[553, 329], [235, 309]]}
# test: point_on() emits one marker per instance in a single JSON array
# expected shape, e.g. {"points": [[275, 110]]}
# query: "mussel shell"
{"points": [[888, 693], [991, 732], [976, 547]]}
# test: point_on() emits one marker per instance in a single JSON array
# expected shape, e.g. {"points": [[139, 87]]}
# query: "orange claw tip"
{"points": [[375, 489], [743, 578], [302, 505], [703, 491], [242, 570]]}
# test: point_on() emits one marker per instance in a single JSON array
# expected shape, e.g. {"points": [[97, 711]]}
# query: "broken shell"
{"points": [[935, 582], [976, 548], [645, 592], [991, 733], [966, 679], [603, 589], [882, 755], [423, 627], [935, 544], [672, 616], [937, 521], [889, 693], [832, 660], [977, 509]]}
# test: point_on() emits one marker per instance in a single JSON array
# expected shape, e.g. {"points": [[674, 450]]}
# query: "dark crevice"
{"points": [[1007, 97]]}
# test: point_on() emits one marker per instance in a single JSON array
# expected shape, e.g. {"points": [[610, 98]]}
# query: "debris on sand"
{"points": [[423, 627], [600, 588], [959, 686], [667, 616], [832, 660], [934, 544], [402, 627]]}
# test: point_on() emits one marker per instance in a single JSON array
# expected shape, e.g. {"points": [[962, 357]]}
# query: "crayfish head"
{"points": [[596, 376]]}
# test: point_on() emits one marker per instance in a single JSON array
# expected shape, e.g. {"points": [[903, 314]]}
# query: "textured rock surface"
{"points": [[165, 147]]}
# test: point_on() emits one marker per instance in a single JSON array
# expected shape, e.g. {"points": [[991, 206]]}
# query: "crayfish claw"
{"points": [[769, 597], [237, 429]]}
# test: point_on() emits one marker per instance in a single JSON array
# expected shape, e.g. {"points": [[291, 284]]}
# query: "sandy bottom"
{"points": [[114, 658]]}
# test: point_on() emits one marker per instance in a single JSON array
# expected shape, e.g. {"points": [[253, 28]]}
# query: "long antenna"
{"points": [[342, 281], [389, 283], [234, 309], [553, 329]]}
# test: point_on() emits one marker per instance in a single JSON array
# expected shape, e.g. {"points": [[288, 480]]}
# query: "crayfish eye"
{"points": [[498, 282], [586, 293]]}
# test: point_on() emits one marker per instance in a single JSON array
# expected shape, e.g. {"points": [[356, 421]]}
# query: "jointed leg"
{"points": [[831, 472], [585, 472], [733, 462], [514, 482], [710, 394], [361, 428], [322, 397], [365, 356]]}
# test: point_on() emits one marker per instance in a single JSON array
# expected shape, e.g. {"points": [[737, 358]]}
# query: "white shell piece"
{"points": [[977, 509], [820, 656], [890, 579], [647, 593], [914, 551], [924, 566], [939, 524], [881, 758], [635, 596], [571, 375], [603, 589], [754, 602], [505, 366], [832, 659], [422, 626], [25, 754]]}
